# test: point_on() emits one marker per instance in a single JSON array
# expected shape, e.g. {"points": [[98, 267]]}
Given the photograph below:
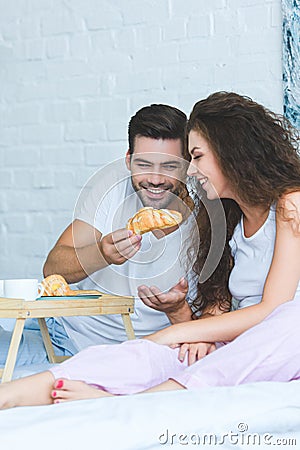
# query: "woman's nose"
{"points": [[191, 169]]}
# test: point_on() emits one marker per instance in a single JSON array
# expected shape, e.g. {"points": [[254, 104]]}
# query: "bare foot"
{"points": [[69, 390]]}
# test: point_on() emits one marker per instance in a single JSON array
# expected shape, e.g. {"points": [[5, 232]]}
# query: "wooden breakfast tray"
{"points": [[21, 310]]}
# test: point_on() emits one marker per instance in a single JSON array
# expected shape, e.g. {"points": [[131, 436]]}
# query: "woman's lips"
{"points": [[203, 181]]}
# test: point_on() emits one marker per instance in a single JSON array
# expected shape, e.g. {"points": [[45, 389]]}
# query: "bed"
{"points": [[259, 415]]}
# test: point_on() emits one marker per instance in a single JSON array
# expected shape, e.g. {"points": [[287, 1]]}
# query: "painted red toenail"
{"points": [[59, 384], [54, 394]]}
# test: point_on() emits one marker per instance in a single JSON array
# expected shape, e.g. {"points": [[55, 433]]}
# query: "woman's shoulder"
{"points": [[290, 201], [288, 210]]}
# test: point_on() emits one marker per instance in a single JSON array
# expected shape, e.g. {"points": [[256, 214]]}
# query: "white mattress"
{"points": [[270, 410]]}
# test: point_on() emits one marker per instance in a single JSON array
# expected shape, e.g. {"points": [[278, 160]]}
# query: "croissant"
{"points": [[148, 219], [56, 285]]}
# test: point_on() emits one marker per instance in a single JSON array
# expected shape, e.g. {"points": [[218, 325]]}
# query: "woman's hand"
{"points": [[195, 351]]}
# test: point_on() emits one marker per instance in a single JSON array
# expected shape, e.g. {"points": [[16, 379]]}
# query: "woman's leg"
{"points": [[270, 351], [169, 385], [28, 391], [126, 368]]}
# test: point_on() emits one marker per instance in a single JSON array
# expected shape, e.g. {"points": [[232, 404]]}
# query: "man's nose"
{"points": [[156, 178]]}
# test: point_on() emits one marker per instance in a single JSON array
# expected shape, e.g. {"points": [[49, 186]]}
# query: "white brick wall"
{"points": [[73, 72]]}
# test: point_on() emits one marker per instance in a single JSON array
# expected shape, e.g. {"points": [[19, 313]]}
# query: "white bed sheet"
{"points": [[138, 422]]}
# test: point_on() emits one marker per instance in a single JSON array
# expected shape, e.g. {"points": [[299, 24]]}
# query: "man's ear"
{"points": [[127, 159]]}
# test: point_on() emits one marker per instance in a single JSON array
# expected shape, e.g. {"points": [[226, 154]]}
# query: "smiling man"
{"points": [[96, 251]]}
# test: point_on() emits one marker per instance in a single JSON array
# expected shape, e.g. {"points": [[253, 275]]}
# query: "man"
{"points": [[97, 252]]}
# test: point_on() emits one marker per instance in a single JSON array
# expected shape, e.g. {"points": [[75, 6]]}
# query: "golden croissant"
{"points": [[148, 219], [56, 285]]}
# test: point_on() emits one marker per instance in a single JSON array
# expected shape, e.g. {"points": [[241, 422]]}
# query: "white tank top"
{"points": [[252, 260]]}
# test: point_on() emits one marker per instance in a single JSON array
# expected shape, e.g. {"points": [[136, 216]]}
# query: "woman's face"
{"points": [[205, 168]]}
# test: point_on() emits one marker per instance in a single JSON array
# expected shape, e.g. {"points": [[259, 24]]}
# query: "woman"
{"points": [[244, 156]]}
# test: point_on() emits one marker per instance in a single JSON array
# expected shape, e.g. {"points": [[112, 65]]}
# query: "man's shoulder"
{"points": [[105, 186], [109, 179]]}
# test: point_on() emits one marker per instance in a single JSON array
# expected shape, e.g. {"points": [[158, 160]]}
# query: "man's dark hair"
{"points": [[157, 122]]}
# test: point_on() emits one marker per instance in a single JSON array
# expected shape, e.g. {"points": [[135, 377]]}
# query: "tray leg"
{"points": [[53, 358], [13, 350], [128, 326], [47, 341]]}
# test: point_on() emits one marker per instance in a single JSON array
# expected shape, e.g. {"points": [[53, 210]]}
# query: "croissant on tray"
{"points": [[148, 219], [56, 286]]}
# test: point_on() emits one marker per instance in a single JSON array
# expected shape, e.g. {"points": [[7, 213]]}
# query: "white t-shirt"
{"points": [[107, 206]]}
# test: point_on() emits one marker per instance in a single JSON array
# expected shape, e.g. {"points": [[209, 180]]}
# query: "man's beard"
{"points": [[169, 196]]}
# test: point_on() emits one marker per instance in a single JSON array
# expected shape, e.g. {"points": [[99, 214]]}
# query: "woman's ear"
{"points": [[128, 159]]}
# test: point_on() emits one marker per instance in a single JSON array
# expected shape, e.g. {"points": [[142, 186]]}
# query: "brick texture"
{"points": [[73, 72]]}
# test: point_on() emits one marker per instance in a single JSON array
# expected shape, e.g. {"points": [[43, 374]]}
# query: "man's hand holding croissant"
{"points": [[119, 246]]}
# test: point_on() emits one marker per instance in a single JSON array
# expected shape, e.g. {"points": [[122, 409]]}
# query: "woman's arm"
{"points": [[280, 287]]}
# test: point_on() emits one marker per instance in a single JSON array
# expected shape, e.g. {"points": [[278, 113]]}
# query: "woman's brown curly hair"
{"points": [[257, 151]]}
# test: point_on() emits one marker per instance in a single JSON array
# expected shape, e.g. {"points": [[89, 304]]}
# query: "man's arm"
{"points": [[81, 250], [76, 253]]}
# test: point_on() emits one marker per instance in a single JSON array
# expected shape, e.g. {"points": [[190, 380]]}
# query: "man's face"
{"points": [[157, 167]]}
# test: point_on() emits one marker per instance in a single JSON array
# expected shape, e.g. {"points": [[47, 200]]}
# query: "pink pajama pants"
{"points": [[270, 351]]}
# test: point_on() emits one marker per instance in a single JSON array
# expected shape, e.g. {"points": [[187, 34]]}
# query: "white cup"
{"points": [[7, 324], [27, 289]]}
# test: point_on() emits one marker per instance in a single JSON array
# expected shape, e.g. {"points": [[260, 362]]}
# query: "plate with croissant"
{"points": [[149, 219], [55, 286]]}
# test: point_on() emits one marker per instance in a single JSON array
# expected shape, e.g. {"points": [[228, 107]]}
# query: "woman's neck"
{"points": [[253, 218]]}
